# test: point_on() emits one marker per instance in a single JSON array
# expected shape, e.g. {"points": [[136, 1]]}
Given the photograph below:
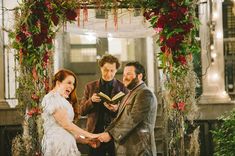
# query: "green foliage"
{"points": [[224, 136], [176, 25], [32, 38]]}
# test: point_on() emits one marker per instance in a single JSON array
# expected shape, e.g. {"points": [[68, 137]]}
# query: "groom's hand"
{"points": [[104, 137], [94, 143]]}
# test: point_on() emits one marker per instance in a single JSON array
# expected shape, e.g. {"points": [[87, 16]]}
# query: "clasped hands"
{"points": [[95, 140]]}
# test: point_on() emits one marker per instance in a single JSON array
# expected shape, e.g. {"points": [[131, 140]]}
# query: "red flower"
{"points": [[35, 97], [147, 15], [46, 84], [44, 28], [24, 29], [48, 5], [71, 15], [173, 4], [34, 73], [158, 30], [183, 10], [175, 15], [21, 53], [46, 59], [34, 111], [38, 13], [174, 41], [20, 37], [161, 22], [163, 49], [174, 24], [162, 39], [182, 59], [38, 39], [187, 27], [174, 106], [49, 40], [55, 19], [181, 106]]}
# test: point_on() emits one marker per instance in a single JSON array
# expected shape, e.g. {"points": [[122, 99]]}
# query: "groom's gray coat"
{"points": [[133, 128]]}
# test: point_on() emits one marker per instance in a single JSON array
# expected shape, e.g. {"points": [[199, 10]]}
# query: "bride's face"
{"points": [[66, 86]]}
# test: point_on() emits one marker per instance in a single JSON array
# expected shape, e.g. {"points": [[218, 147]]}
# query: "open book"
{"points": [[114, 100]]}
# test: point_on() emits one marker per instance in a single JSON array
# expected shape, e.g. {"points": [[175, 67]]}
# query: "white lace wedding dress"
{"points": [[56, 140]]}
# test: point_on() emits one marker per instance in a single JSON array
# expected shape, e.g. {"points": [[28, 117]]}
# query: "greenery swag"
{"points": [[37, 22]]}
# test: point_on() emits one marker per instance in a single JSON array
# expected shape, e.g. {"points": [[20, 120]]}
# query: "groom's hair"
{"points": [[139, 68]]}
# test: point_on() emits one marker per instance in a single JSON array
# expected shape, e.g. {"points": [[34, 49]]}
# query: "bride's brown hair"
{"points": [[60, 76]]}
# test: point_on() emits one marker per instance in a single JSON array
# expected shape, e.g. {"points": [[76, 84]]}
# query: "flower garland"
{"points": [[176, 24], [37, 22]]}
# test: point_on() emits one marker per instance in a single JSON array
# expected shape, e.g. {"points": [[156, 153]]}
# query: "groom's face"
{"points": [[130, 78]]}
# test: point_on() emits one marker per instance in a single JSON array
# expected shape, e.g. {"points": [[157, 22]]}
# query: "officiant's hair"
{"points": [[60, 76], [139, 68], [109, 59]]}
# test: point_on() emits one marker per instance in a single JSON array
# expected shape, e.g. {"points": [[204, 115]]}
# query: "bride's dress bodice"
{"points": [[56, 140]]}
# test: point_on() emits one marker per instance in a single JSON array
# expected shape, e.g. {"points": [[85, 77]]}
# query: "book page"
{"points": [[104, 96], [118, 95]]}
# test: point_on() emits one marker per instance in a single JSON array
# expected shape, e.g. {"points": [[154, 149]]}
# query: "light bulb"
{"points": [[214, 77], [219, 35], [215, 15], [213, 55], [212, 47]]}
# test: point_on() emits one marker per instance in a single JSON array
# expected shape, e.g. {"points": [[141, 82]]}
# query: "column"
{"points": [[211, 35], [3, 103]]}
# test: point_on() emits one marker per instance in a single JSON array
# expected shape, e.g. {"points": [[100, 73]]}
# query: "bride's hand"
{"points": [[93, 136]]}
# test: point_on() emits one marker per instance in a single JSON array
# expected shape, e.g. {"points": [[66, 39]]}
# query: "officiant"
{"points": [[99, 113]]}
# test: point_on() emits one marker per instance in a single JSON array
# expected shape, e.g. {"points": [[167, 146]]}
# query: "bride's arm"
{"points": [[61, 117]]}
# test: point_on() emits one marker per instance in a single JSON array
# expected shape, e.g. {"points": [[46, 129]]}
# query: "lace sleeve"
{"points": [[51, 103]]}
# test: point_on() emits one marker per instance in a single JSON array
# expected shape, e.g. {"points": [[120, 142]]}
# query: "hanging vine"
{"points": [[176, 24]]}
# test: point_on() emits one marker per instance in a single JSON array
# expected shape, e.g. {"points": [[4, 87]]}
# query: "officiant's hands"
{"points": [[95, 98], [111, 107]]}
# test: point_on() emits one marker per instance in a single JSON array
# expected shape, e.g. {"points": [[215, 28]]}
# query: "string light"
{"points": [[219, 35], [212, 47], [213, 55], [214, 77], [215, 15]]}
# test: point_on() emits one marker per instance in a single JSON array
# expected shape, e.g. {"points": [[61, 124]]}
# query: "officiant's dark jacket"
{"points": [[87, 107], [133, 128]]}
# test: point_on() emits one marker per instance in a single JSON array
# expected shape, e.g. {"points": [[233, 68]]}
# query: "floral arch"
{"points": [[37, 22]]}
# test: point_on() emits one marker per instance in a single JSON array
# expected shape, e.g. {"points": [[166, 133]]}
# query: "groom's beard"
{"points": [[133, 83]]}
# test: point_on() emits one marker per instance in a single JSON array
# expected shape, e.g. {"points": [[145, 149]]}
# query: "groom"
{"points": [[133, 128]]}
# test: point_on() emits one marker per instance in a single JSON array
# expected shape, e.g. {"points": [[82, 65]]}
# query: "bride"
{"points": [[60, 133]]}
